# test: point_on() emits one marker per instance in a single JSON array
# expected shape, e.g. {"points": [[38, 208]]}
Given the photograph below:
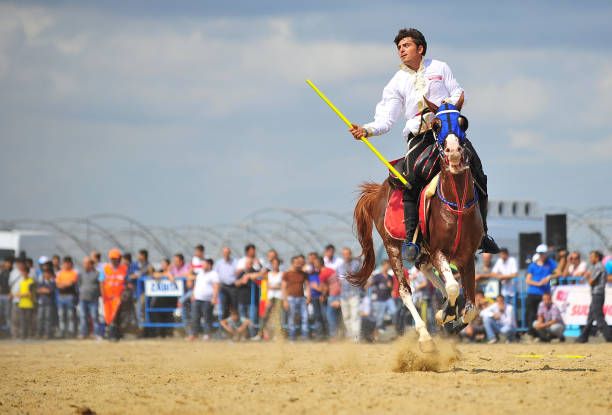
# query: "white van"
{"points": [[32, 244]]}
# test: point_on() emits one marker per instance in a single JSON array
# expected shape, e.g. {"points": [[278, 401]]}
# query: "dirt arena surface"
{"points": [[176, 377]]}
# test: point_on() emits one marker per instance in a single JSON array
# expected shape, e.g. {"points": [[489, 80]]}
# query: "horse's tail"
{"points": [[363, 221]]}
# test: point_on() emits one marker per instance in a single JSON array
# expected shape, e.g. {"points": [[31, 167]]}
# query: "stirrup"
{"points": [[410, 251], [488, 245]]}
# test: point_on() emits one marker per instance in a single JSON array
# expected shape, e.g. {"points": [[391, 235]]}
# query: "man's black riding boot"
{"points": [[488, 243], [410, 250]]}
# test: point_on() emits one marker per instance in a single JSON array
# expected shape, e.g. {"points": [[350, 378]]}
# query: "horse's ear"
{"points": [[433, 107], [459, 103]]}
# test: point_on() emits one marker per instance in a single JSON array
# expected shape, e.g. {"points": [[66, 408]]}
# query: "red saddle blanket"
{"points": [[394, 214]]}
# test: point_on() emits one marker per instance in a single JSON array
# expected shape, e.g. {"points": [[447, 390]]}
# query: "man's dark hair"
{"points": [[9, 259], [144, 253], [29, 261], [67, 259], [19, 260], [480, 292], [248, 248], [127, 256], [180, 256], [598, 254], [503, 251], [416, 35], [56, 256], [200, 247], [330, 246], [210, 261]]}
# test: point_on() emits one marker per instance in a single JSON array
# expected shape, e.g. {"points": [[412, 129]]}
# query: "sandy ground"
{"points": [[177, 377]]}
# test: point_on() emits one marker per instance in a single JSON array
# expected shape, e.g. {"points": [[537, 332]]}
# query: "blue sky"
{"points": [[201, 114]]}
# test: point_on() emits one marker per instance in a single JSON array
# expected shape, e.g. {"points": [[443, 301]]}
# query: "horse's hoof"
{"points": [[440, 317], [446, 314], [457, 326], [427, 346]]}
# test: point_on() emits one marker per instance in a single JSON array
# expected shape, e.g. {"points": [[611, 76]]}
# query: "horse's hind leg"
{"points": [[426, 344]]}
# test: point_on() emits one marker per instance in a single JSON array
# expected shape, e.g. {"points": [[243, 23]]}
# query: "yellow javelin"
{"points": [[365, 140]]}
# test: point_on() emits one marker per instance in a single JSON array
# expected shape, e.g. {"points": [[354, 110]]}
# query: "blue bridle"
{"points": [[449, 115]]}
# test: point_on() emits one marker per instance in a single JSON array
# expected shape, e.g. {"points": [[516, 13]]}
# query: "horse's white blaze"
{"points": [[419, 324], [452, 149]]}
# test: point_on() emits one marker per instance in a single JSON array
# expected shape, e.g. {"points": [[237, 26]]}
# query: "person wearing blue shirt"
{"points": [[539, 274]]}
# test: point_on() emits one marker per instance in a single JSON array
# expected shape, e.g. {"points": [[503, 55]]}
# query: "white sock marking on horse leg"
{"points": [[419, 325], [435, 279], [452, 287]]}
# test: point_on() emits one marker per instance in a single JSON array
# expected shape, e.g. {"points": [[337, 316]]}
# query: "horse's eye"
{"points": [[463, 123], [436, 125]]}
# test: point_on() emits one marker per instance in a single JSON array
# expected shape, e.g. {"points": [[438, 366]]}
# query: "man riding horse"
{"points": [[418, 78]]}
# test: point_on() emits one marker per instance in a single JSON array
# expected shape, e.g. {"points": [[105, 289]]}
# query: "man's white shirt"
{"points": [[404, 94], [506, 318], [333, 263], [508, 287]]}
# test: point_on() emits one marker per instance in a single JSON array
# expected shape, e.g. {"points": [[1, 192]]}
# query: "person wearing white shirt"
{"points": [[499, 318], [226, 269], [404, 94], [330, 260], [204, 297], [506, 270]]}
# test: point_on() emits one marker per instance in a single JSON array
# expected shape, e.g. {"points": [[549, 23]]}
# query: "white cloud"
{"points": [[537, 146]]}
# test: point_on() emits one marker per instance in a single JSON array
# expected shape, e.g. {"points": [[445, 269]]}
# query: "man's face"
{"points": [[593, 258], [346, 255], [226, 252], [408, 52], [199, 253], [6, 265], [250, 253], [271, 255], [88, 264], [141, 258], [115, 262], [206, 266], [503, 256], [546, 299], [295, 264], [301, 262], [479, 298], [55, 260], [486, 258], [329, 252], [248, 263], [177, 261], [20, 266], [66, 265], [385, 267], [311, 259], [500, 302]]}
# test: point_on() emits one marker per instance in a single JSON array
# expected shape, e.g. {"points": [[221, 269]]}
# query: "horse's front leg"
{"points": [[469, 287], [426, 344], [449, 310]]}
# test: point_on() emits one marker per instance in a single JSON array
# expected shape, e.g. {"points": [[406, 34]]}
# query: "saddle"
{"points": [[394, 214]]}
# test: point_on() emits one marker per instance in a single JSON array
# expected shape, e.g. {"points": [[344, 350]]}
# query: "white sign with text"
{"points": [[574, 301], [164, 288]]}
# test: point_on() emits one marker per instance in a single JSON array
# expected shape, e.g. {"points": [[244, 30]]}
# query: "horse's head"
{"points": [[449, 127]]}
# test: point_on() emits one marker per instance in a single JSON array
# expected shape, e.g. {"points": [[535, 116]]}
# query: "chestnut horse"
{"points": [[454, 232]]}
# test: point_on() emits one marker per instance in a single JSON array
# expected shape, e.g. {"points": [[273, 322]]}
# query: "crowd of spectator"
{"points": [[258, 299]]}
